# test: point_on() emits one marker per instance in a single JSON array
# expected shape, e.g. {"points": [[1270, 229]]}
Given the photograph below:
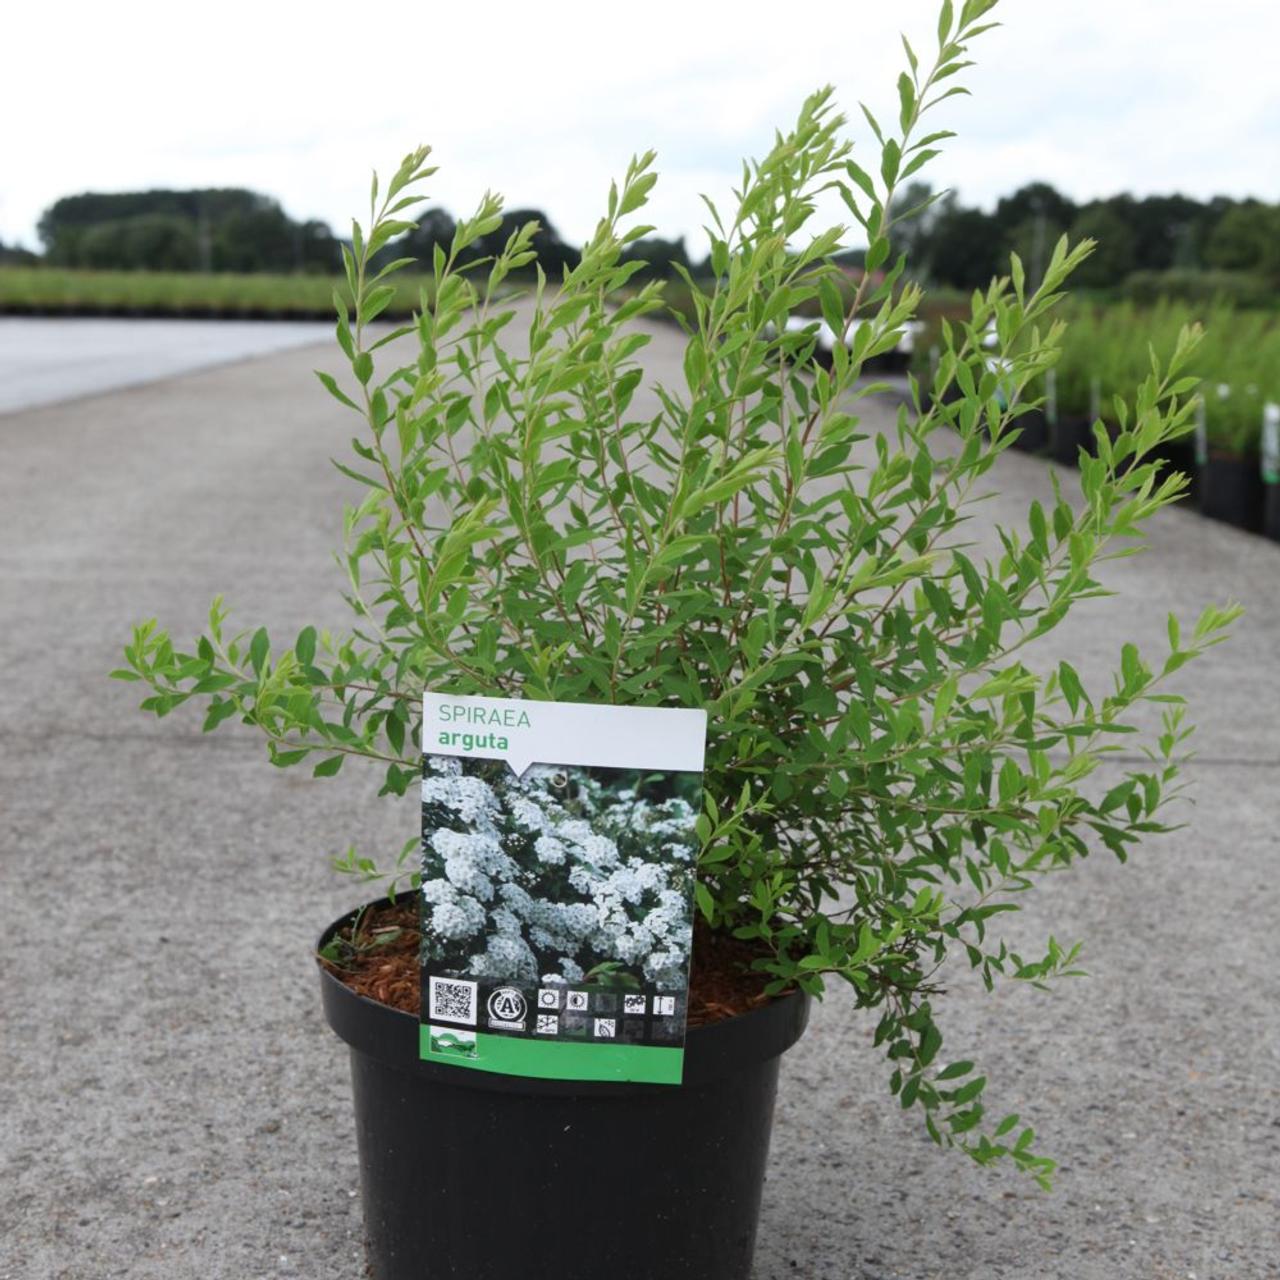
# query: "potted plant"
{"points": [[888, 767], [1238, 365], [1036, 410], [1070, 417], [1158, 327], [1231, 484], [1036, 416]]}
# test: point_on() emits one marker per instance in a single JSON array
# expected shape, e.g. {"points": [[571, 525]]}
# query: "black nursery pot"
{"points": [[1231, 490], [1034, 429], [949, 396], [493, 1177], [1180, 455], [1067, 436], [1271, 512]]}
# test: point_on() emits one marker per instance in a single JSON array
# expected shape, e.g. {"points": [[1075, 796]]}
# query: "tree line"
{"points": [[211, 229], [1159, 239], [951, 244]]}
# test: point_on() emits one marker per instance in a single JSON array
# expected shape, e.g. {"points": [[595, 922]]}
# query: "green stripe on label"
{"points": [[563, 1060]]}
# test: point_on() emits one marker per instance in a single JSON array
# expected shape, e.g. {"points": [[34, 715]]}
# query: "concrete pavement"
{"points": [[171, 1103], [47, 360]]}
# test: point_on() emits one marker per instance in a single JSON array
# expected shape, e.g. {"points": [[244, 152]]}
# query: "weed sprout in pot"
{"points": [[886, 765]]}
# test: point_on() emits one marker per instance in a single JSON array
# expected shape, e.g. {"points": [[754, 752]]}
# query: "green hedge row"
{"points": [[55, 291]]}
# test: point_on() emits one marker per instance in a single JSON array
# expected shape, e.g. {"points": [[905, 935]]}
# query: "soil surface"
{"points": [[385, 967]]}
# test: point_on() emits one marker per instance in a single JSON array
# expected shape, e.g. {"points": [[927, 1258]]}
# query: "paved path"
{"points": [[172, 1106], [46, 360]]}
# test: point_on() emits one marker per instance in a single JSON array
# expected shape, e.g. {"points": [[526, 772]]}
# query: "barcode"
{"points": [[452, 1001]]}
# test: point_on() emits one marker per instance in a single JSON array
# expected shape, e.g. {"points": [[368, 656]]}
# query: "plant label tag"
{"points": [[1271, 443], [558, 866]]}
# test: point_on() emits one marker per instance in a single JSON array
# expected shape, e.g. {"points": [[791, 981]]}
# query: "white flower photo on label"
{"points": [[547, 877]]}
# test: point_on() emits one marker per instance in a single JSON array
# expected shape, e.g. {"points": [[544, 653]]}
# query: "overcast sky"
{"points": [[546, 102]]}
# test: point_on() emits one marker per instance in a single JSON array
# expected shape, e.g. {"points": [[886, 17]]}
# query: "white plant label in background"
{"points": [[1271, 442], [558, 868]]}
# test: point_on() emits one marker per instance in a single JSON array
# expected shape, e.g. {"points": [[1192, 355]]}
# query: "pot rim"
{"points": [[711, 1052]]}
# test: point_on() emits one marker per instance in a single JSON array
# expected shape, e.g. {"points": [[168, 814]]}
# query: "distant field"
{"points": [[53, 291]]}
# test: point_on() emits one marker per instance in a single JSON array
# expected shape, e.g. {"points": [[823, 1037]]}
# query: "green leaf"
{"points": [[259, 646], [373, 305], [906, 100], [304, 647], [330, 384], [706, 904], [967, 1092], [218, 712], [889, 160], [862, 178]]}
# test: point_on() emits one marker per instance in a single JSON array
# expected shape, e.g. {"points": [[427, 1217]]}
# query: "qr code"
{"points": [[452, 1001]]}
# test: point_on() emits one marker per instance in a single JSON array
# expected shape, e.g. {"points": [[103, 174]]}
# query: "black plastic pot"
{"points": [[494, 1177], [1180, 455], [1067, 436], [1231, 490], [1271, 512], [1034, 431]]}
